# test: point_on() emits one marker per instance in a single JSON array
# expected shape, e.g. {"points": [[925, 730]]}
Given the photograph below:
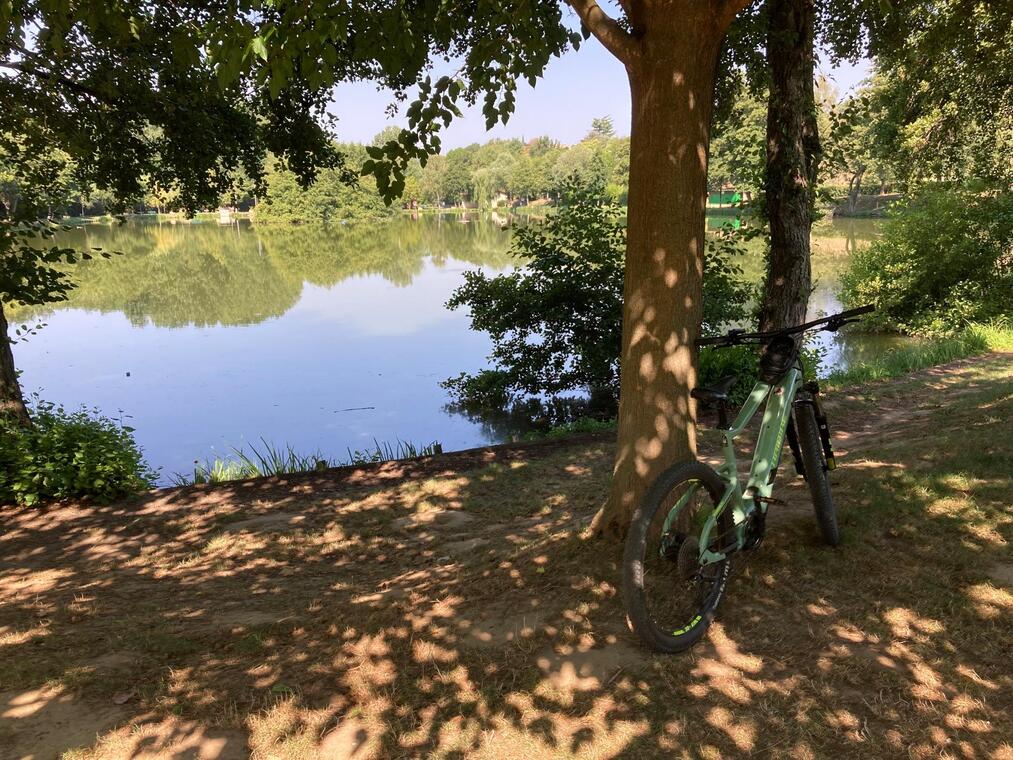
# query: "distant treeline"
{"points": [[496, 173], [868, 149]]}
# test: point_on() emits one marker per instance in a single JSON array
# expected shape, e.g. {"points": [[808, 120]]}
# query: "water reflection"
{"points": [[211, 337], [202, 274]]}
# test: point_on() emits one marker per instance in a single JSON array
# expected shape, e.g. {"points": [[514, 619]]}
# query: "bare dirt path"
{"points": [[450, 608]]}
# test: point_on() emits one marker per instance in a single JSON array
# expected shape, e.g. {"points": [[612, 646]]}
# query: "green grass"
{"points": [[284, 460], [976, 339], [579, 425], [384, 452], [997, 334]]}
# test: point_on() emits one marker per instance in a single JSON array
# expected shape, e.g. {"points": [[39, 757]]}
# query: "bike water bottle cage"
{"points": [[778, 357]]}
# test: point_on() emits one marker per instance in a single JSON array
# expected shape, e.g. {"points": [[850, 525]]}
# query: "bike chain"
{"points": [[740, 559]]}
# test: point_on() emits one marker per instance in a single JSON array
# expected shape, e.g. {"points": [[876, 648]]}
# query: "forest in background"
{"points": [[872, 145]]}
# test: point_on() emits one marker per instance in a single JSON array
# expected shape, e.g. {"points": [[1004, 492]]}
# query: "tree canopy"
{"points": [[942, 100], [129, 94]]}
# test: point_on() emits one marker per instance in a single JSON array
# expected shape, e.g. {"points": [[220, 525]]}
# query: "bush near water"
{"points": [[556, 323], [945, 260], [68, 455]]}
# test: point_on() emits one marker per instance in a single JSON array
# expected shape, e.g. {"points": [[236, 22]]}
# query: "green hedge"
{"points": [[68, 455], [944, 261]]}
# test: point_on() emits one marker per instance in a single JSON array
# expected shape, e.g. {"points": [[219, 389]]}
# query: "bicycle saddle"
{"points": [[715, 393]]}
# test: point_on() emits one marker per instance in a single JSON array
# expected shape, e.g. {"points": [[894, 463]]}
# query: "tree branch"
{"points": [[729, 9], [616, 40], [70, 84]]}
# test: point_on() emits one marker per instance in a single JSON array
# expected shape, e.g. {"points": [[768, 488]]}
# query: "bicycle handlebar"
{"points": [[832, 323]]}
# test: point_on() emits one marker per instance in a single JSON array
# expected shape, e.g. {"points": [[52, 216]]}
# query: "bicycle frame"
{"points": [[766, 458]]}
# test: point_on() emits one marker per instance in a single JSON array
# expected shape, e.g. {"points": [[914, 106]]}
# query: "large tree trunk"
{"points": [[672, 86], [793, 153], [12, 403]]}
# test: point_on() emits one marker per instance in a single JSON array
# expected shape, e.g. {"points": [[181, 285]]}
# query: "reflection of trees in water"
{"points": [[395, 251], [532, 415], [834, 241], [175, 275], [202, 274]]}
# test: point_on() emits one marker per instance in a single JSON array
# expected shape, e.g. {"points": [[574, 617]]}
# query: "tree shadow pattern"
{"points": [[450, 608]]}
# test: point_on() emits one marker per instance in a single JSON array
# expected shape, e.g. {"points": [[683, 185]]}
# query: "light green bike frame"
{"points": [[766, 457]]}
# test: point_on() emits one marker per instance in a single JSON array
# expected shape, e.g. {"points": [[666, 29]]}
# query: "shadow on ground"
{"points": [[450, 608]]}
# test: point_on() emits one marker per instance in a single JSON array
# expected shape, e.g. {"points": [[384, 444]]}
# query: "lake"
{"points": [[205, 337]]}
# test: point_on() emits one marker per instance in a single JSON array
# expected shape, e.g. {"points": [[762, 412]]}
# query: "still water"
{"points": [[206, 337]]}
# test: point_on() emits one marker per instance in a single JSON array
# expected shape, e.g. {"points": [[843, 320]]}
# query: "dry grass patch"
{"points": [[451, 608]]}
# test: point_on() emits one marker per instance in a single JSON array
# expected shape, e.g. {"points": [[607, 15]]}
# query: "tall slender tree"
{"points": [[792, 163]]}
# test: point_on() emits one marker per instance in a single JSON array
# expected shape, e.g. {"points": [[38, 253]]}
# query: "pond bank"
{"points": [[266, 459]]}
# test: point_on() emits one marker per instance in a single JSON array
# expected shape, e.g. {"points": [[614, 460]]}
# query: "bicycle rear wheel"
{"points": [[815, 464], [670, 598]]}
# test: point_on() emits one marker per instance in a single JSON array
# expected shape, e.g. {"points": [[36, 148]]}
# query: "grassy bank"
{"points": [[976, 339], [452, 608], [268, 459]]}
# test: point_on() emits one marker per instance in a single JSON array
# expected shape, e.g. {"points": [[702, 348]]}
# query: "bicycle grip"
{"points": [[730, 338], [855, 312]]}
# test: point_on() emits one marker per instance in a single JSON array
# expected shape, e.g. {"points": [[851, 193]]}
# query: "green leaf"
{"points": [[259, 47]]}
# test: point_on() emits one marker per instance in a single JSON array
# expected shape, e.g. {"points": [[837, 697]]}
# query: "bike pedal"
{"points": [[770, 500]]}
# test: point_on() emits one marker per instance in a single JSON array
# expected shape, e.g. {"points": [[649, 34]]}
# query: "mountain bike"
{"points": [[695, 518]]}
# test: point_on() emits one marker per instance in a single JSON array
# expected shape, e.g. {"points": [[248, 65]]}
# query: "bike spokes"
{"points": [[676, 585]]}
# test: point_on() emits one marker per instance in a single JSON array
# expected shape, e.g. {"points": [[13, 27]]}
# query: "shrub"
{"points": [[945, 259], [744, 363], [69, 455], [576, 427], [556, 322]]}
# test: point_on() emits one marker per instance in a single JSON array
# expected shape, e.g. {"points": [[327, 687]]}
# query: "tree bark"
{"points": [[855, 189], [672, 87], [12, 403], [793, 154]]}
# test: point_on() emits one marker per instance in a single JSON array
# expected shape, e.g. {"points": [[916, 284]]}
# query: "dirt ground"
{"points": [[451, 608]]}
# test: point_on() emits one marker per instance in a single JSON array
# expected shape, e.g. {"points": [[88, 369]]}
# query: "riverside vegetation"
{"points": [[944, 262], [77, 454], [269, 459], [940, 273], [556, 322], [571, 274]]}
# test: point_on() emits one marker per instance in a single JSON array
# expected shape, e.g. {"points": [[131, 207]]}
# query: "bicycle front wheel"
{"points": [[670, 597], [815, 465]]}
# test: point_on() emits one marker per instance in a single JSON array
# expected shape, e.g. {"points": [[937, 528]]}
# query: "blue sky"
{"points": [[579, 86]]}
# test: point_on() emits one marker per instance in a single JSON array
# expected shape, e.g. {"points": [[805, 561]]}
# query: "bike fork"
{"points": [[813, 398]]}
